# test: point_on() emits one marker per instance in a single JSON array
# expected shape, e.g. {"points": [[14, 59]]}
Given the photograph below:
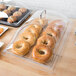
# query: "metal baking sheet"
{"points": [[19, 21]]}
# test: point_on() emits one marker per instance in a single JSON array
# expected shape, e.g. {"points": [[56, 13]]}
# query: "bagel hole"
{"points": [[41, 52], [49, 34], [45, 42], [34, 26], [60, 26], [25, 38], [18, 46]]}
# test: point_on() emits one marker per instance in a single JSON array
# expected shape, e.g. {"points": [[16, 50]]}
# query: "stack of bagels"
{"points": [[28, 37], [43, 50]]}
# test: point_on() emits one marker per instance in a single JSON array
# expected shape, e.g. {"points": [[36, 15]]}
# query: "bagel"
{"points": [[41, 53], [21, 47], [51, 32], [57, 25], [36, 26], [47, 41], [29, 37], [33, 31], [40, 21]]}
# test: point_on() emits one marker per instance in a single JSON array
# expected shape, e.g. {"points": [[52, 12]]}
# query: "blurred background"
{"points": [[67, 7]]}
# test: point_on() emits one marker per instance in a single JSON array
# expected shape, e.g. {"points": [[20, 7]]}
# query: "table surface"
{"points": [[66, 65]]}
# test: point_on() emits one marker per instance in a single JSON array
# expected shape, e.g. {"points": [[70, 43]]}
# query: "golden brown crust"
{"points": [[17, 14], [40, 21], [2, 7], [21, 47], [47, 41], [36, 26], [7, 11], [41, 53], [29, 37], [11, 19], [57, 25], [11, 8], [33, 31], [22, 10], [51, 32]]}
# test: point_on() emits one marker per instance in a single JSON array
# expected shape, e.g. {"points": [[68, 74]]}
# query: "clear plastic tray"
{"points": [[49, 66]]}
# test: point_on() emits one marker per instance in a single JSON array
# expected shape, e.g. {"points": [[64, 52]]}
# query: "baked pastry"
{"points": [[29, 37], [41, 53], [17, 14], [21, 47], [1, 30], [1, 18], [11, 8], [47, 41], [2, 7], [51, 32], [22, 10], [33, 31], [36, 26], [11, 19], [7, 11], [40, 21], [57, 25]]}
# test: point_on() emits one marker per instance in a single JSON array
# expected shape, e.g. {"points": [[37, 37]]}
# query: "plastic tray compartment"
{"points": [[27, 60], [19, 21]]}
